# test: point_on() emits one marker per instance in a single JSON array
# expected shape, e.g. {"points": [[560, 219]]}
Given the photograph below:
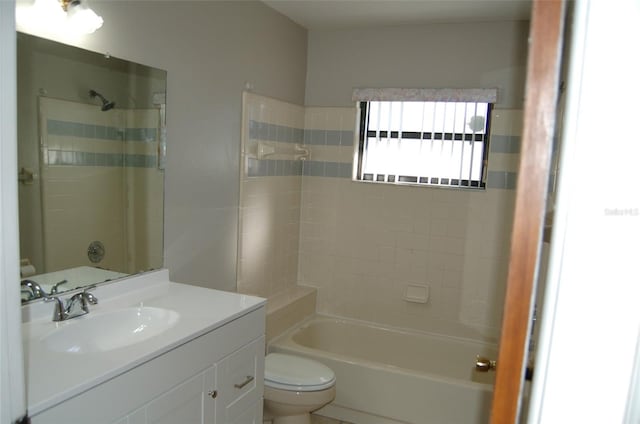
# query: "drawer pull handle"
{"points": [[213, 394], [244, 383]]}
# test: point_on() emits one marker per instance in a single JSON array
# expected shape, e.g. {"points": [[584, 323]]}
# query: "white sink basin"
{"points": [[110, 330]]}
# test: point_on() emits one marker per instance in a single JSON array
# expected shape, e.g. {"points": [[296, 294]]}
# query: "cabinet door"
{"points": [[240, 385], [191, 402]]}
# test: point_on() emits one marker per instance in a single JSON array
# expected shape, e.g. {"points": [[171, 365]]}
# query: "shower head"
{"points": [[106, 104]]}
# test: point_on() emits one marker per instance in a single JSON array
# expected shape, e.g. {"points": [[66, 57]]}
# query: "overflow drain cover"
{"points": [[95, 251]]}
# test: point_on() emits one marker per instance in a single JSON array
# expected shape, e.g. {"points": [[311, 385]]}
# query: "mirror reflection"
{"points": [[91, 144]]}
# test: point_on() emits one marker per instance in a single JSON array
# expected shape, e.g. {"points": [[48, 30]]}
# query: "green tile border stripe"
{"points": [[273, 167], [145, 135], [314, 168], [278, 168], [328, 138], [75, 158], [100, 132], [271, 132], [309, 168]]}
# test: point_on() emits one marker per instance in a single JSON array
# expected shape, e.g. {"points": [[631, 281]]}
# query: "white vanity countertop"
{"points": [[53, 377]]}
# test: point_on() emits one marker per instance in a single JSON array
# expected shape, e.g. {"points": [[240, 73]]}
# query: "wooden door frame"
{"points": [[543, 70]]}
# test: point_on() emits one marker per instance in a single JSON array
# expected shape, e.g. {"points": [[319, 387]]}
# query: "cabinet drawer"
{"points": [[240, 380]]}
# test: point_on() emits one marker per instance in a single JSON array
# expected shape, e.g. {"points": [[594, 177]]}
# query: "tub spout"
{"points": [[484, 365]]}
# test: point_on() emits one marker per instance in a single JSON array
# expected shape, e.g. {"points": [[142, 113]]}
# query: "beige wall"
{"points": [[363, 244], [462, 55], [210, 50]]}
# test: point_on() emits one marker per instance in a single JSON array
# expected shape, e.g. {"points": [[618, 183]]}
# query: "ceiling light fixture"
{"points": [[81, 17]]}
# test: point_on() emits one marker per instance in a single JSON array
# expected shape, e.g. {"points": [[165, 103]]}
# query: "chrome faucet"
{"points": [[33, 289], [77, 305]]}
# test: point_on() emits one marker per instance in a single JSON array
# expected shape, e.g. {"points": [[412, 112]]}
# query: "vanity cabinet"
{"points": [[214, 378]]}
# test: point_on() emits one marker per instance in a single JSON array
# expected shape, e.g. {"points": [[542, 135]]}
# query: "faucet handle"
{"points": [[54, 289], [90, 297]]}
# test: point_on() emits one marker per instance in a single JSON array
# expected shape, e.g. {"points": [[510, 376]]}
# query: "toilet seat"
{"points": [[287, 372]]}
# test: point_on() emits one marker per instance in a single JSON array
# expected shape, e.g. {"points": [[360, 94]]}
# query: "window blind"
{"points": [[434, 142]]}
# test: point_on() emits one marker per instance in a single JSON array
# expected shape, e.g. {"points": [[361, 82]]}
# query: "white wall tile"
{"points": [[270, 210], [361, 244], [385, 237]]}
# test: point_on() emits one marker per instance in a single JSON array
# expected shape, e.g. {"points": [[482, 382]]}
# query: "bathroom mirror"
{"points": [[91, 144]]}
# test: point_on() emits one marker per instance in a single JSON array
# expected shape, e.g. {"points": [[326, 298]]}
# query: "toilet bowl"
{"points": [[294, 387]]}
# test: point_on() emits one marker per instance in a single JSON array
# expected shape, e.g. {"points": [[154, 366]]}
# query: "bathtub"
{"points": [[387, 376]]}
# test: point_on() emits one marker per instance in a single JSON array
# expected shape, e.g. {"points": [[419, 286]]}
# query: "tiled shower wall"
{"points": [[270, 196], [94, 163], [145, 190], [363, 244]]}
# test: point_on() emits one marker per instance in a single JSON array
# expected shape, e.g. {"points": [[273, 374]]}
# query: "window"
{"points": [[440, 141]]}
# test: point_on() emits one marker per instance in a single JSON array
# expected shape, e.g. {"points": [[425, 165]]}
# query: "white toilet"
{"points": [[294, 387]]}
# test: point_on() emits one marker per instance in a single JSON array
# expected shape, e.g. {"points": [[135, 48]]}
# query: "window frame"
{"points": [[363, 132]]}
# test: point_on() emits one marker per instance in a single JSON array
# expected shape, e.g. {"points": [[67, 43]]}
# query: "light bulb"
{"points": [[82, 19]]}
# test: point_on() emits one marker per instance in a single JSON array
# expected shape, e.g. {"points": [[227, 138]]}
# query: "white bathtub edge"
{"points": [[380, 400]]}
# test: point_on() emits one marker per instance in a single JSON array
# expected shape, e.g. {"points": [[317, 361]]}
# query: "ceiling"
{"points": [[342, 14]]}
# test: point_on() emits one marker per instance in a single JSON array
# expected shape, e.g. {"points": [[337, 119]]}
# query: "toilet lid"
{"points": [[289, 372]]}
